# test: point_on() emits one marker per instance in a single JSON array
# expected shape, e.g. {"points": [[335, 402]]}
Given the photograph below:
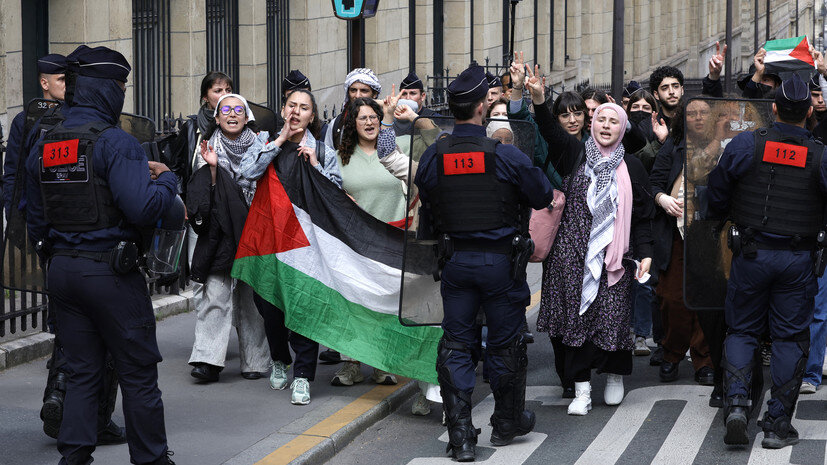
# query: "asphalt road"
{"points": [[656, 423]]}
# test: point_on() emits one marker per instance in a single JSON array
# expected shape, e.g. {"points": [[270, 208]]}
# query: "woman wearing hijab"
{"points": [[219, 197], [586, 300]]}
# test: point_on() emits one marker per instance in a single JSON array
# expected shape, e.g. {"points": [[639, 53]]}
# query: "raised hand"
{"points": [[659, 128], [716, 63], [404, 113], [208, 154], [286, 133], [517, 71], [758, 61], [818, 58], [536, 85], [391, 100]]}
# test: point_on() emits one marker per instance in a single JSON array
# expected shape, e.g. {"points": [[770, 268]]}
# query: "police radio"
{"points": [[819, 262]]}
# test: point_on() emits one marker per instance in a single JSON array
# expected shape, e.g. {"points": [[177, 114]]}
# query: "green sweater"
{"points": [[375, 189], [540, 146]]}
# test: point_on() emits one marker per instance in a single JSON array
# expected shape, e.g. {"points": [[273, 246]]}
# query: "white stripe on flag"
{"points": [[779, 55], [359, 279]]}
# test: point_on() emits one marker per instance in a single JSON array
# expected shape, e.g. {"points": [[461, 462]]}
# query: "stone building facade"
{"points": [[262, 39]]}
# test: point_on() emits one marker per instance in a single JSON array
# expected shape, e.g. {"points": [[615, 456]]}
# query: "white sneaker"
{"points": [[421, 405], [613, 395], [640, 346], [383, 377], [278, 376], [582, 402], [807, 388], [301, 391], [348, 375]]}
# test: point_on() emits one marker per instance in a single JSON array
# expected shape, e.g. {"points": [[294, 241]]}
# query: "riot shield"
{"points": [[139, 127], [420, 301], [710, 124], [265, 119]]}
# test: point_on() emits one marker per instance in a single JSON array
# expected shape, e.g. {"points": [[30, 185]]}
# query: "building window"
{"points": [[152, 58], [278, 49], [222, 38]]}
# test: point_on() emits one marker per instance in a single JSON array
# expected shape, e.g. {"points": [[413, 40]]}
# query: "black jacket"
{"points": [[668, 165], [217, 214], [565, 152]]}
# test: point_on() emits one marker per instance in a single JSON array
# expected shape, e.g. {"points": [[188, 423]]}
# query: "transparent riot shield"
{"points": [[265, 118], [139, 127], [420, 302], [710, 124]]}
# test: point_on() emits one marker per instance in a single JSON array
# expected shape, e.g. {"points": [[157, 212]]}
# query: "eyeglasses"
{"points": [[238, 109], [576, 114], [365, 118], [697, 114]]}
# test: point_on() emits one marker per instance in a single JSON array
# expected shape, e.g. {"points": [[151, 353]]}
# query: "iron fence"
{"points": [[278, 49], [222, 38], [438, 84], [152, 57]]}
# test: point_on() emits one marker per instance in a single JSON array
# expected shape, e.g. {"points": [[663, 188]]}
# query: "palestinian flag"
{"points": [[787, 56], [334, 269]]}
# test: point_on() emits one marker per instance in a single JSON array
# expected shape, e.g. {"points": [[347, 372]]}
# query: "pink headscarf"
{"points": [[623, 219]]}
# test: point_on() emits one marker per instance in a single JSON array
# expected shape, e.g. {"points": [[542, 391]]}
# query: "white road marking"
{"points": [[684, 440], [513, 454], [807, 429]]}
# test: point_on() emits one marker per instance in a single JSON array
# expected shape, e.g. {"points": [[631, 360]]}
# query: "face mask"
{"points": [[636, 117]]}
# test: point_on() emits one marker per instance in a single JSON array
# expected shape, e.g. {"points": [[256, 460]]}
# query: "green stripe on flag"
{"points": [[322, 314], [783, 44]]}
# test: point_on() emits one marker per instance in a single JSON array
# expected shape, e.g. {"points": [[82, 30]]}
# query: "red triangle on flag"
{"points": [[802, 52], [272, 225]]}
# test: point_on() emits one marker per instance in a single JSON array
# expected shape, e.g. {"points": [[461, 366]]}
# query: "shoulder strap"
{"points": [[320, 150]]}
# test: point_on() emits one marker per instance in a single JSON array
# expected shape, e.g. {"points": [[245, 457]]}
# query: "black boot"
{"points": [[52, 410], [778, 432], [462, 436], [736, 421], [109, 433], [510, 418]]}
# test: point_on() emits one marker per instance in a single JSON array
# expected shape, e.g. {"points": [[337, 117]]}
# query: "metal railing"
{"points": [[438, 85], [152, 61], [222, 38], [278, 49]]}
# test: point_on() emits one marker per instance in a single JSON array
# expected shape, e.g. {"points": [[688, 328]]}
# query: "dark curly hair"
{"points": [[350, 138], [659, 74], [315, 126]]}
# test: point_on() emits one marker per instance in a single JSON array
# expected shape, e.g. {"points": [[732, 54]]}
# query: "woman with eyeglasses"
{"points": [[376, 183], [218, 201]]}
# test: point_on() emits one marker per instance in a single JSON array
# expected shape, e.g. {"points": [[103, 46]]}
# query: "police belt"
{"points": [[105, 256], [503, 246], [792, 245]]}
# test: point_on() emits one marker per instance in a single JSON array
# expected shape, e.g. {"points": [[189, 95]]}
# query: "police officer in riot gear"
{"points": [[51, 69], [773, 183], [476, 196], [89, 189]]}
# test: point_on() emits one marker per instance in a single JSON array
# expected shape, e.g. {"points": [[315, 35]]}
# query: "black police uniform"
{"points": [[476, 193], [773, 181], [88, 190]]}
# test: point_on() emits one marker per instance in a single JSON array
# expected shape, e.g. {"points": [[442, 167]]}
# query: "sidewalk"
{"points": [[234, 421]]}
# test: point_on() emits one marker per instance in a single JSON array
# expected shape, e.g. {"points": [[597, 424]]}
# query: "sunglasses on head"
{"points": [[238, 109]]}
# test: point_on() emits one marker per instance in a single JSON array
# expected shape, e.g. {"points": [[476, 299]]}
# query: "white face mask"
{"points": [[409, 103]]}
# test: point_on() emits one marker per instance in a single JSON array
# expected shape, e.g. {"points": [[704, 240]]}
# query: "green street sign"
{"points": [[355, 9]]}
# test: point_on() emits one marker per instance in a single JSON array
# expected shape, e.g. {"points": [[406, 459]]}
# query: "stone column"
{"points": [[252, 50], [11, 63], [95, 23], [188, 30]]}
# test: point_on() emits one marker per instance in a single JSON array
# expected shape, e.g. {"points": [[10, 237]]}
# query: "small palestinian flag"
{"points": [[787, 56], [335, 270]]}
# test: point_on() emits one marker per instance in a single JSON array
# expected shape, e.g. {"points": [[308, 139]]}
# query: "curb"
{"points": [[39, 345], [327, 449]]}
